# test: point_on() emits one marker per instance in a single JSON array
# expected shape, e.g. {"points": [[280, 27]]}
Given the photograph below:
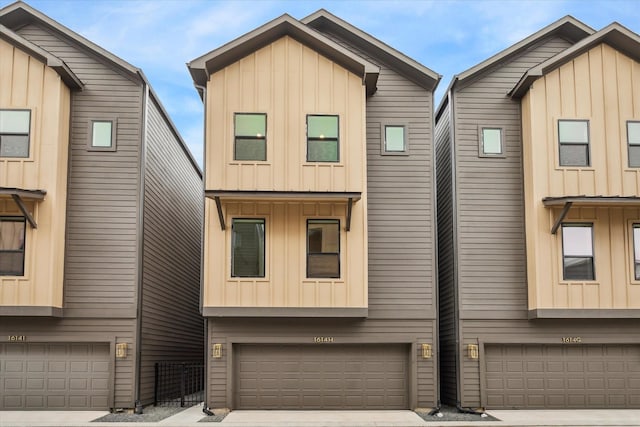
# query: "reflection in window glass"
{"points": [[12, 236], [322, 139], [250, 137], [323, 248], [492, 140], [394, 139], [573, 136], [633, 139], [102, 136], [247, 247], [636, 250], [577, 249], [14, 133]]}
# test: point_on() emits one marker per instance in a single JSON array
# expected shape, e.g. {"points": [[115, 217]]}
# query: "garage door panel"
{"points": [[54, 375], [321, 377], [576, 376]]}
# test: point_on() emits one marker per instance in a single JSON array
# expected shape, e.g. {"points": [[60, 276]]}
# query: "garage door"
{"points": [[321, 377], [54, 376], [570, 376]]}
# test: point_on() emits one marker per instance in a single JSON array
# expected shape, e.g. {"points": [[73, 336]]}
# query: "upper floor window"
{"points": [[573, 136], [636, 251], [14, 133], [491, 142], [633, 139], [12, 235], [247, 247], [323, 248], [577, 252], [395, 139], [102, 135], [250, 137], [322, 139]]}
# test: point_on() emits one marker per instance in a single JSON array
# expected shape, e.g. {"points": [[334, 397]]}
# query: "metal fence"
{"points": [[178, 384]]}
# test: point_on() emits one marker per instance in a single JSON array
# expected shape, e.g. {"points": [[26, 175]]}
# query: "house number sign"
{"points": [[571, 340], [16, 338], [322, 340]]}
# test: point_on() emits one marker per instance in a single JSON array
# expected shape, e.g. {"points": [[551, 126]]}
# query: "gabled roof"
{"points": [[201, 68], [413, 70], [615, 35], [47, 58], [19, 14]]}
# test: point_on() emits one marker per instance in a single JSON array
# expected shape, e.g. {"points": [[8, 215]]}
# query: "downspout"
{"points": [[140, 248], [205, 407]]}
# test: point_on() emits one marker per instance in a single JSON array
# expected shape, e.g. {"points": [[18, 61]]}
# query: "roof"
{"points": [[615, 35], [201, 68], [408, 67], [47, 58]]}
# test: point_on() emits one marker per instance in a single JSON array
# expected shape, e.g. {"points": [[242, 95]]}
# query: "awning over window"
{"points": [[239, 195], [19, 195], [586, 201]]}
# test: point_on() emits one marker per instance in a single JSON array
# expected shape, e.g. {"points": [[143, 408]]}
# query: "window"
{"points": [[250, 137], [573, 136], [14, 133], [394, 139], [247, 247], [323, 248], [633, 139], [577, 251], [12, 234], [103, 135], [636, 251], [491, 142], [322, 139]]}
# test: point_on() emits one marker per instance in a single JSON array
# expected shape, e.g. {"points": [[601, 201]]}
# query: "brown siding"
{"points": [[172, 328], [102, 206]]}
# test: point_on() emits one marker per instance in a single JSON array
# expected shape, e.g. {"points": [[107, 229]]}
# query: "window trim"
{"points": [[629, 145], [114, 127], [264, 249], [29, 133], [332, 220], [336, 139], [256, 138], [589, 225], [383, 139], [14, 218], [481, 153], [560, 143]]}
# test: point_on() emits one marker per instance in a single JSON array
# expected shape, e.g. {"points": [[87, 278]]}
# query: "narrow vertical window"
{"points": [[250, 137], [636, 251], [394, 139], [633, 140], [247, 247], [322, 139], [573, 137], [102, 134], [12, 235], [491, 142], [323, 248], [577, 251], [14, 133]]}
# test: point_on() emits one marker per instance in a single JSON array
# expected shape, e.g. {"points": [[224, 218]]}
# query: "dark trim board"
{"points": [[283, 312], [556, 313], [36, 311]]}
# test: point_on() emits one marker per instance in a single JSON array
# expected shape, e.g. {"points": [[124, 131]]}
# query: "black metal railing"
{"points": [[178, 384]]}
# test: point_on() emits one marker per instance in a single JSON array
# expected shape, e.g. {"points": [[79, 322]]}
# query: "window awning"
{"points": [[18, 195], [348, 197], [586, 201]]}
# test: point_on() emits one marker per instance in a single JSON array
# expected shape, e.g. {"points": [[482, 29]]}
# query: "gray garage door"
{"points": [[321, 377], [569, 376], [54, 376]]}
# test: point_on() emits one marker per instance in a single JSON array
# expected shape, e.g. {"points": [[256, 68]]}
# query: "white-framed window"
{"points": [[250, 137], [323, 142], [15, 126], [577, 252], [573, 140], [248, 247]]}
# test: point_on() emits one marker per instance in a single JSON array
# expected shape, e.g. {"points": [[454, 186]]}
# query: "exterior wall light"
{"points": [[121, 350], [217, 351], [472, 351], [426, 351]]}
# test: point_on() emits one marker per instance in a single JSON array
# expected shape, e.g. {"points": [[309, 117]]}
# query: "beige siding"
{"points": [[27, 83], [600, 86], [286, 80]]}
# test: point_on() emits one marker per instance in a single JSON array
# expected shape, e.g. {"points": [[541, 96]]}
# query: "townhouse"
{"points": [[319, 271], [539, 223], [100, 224]]}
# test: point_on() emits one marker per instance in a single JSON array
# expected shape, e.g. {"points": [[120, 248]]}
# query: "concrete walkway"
{"points": [[191, 416]]}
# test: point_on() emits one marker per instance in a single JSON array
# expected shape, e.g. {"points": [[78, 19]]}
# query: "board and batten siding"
{"points": [[172, 328], [26, 83], [603, 87], [103, 187], [446, 265], [489, 191]]}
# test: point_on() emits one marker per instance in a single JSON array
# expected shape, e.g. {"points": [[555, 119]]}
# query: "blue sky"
{"points": [[448, 36]]}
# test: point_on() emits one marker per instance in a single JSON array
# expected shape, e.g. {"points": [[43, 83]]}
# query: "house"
{"points": [[100, 224], [538, 216], [319, 271]]}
